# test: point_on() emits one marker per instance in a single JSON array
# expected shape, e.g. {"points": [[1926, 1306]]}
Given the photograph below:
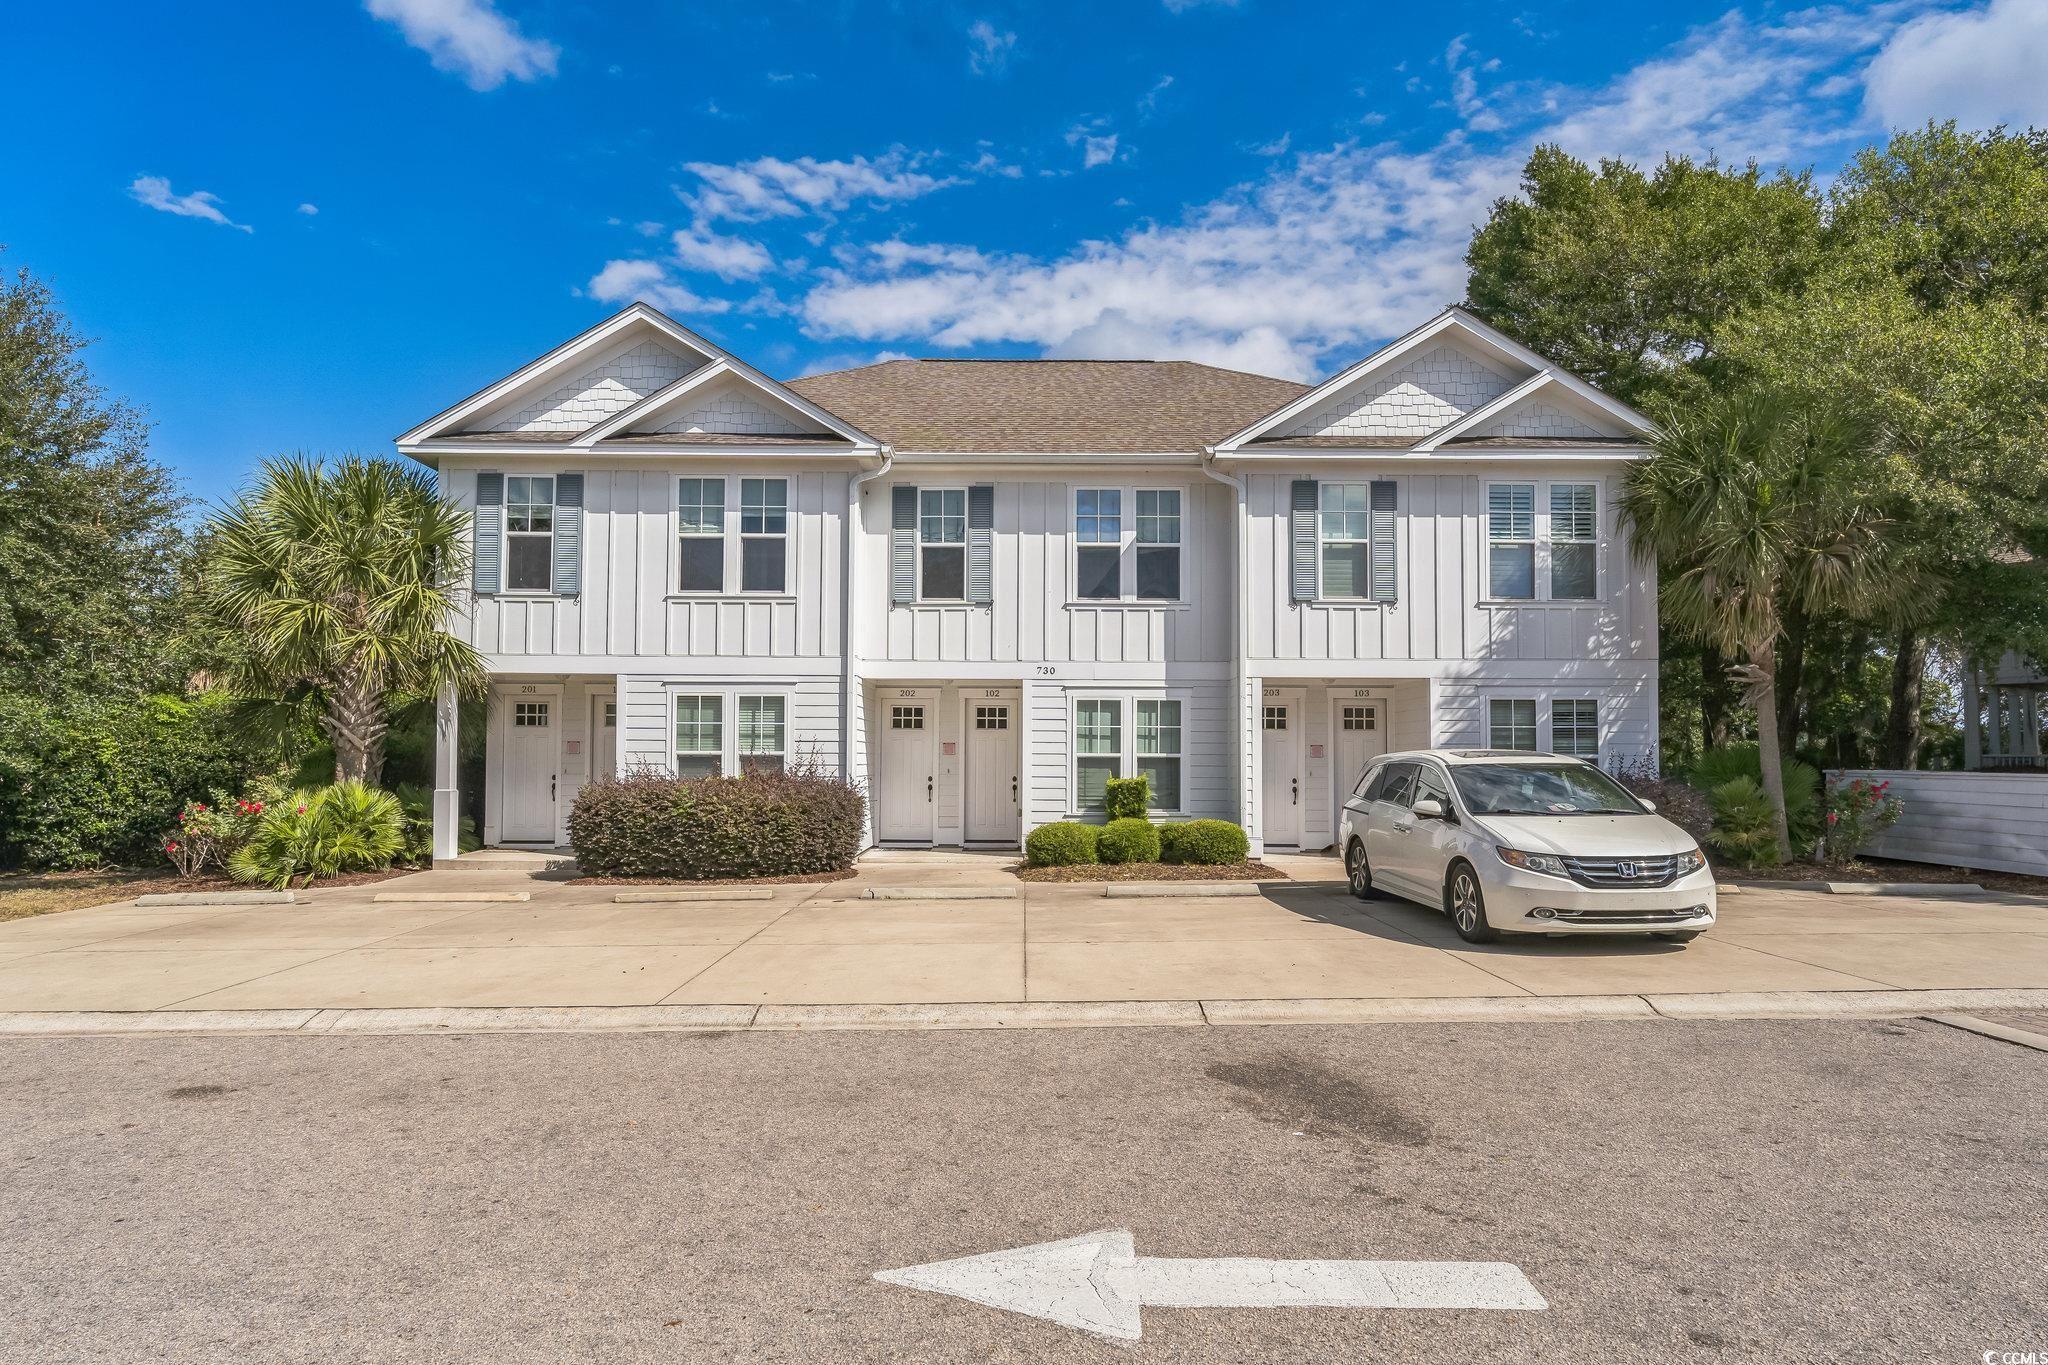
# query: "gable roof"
{"points": [[1105, 407]]}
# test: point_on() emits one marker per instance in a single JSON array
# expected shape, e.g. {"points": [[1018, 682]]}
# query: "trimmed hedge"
{"points": [[1128, 841], [694, 829], [1064, 843], [1127, 798], [1208, 843]]}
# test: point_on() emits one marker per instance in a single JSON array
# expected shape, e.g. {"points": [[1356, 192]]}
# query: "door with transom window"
{"points": [[906, 789], [993, 814]]}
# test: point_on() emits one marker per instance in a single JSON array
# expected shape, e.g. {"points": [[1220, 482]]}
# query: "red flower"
{"points": [[302, 810], [1832, 817], [170, 848]]}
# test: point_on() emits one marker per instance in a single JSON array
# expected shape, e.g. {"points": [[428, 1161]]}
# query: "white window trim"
{"points": [[728, 696], [724, 536], [505, 534], [1322, 540], [1603, 711], [743, 535], [920, 543], [732, 537], [1127, 544], [1541, 530], [1127, 745]]}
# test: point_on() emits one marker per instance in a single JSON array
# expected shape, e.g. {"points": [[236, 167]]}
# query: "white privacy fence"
{"points": [[1996, 821]]}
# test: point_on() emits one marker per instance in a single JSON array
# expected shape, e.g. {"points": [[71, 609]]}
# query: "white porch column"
{"points": [[1973, 718], [447, 770]]}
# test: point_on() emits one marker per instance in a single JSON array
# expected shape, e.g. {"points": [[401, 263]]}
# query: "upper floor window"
{"points": [[700, 508], [1098, 542], [529, 533], [942, 544], [764, 535], [1344, 525], [1159, 545], [1543, 550]]}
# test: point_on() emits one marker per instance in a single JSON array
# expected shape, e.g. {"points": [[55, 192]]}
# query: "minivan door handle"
{"points": [[1403, 829]]}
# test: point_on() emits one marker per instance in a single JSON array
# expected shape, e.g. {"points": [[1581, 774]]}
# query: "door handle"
{"points": [[1295, 783], [1013, 794], [927, 789], [1403, 829], [551, 787]]}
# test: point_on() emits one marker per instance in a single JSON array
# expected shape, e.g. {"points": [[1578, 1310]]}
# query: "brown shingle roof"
{"points": [[1047, 406]]}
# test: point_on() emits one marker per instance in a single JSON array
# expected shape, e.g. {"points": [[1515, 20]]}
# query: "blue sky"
{"points": [[307, 227]]}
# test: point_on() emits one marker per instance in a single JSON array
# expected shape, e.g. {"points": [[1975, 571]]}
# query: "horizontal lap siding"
{"points": [[646, 713], [1981, 820], [1628, 712]]}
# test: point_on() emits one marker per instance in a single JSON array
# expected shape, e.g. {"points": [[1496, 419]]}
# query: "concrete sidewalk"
{"points": [[825, 944]]}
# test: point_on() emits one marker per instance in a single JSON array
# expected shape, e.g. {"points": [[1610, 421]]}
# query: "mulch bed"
{"points": [[1879, 870], [26, 894], [1152, 872], [713, 881]]}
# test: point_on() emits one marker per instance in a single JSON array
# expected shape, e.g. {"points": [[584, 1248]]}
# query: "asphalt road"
{"points": [[1867, 1191]]}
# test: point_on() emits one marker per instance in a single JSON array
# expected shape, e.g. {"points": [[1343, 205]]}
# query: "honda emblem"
{"points": [[1626, 869]]}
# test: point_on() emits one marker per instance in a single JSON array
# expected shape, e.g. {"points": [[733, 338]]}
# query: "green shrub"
{"points": [[1719, 766], [1128, 841], [1064, 843], [1208, 843], [348, 827], [418, 805], [1742, 822], [1126, 798], [89, 782], [694, 829]]}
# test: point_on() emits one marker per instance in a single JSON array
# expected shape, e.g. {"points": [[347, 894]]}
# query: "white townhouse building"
{"points": [[982, 588]]}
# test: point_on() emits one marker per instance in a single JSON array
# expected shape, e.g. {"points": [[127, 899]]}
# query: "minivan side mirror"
{"points": [[1650, 806], [1429, 808]]}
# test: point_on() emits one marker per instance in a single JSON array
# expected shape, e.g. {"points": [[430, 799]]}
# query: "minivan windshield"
{"points": [[1541, 789]]}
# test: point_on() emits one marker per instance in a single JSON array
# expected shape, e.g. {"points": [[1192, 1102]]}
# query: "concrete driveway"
{"points": [[826, 944]]}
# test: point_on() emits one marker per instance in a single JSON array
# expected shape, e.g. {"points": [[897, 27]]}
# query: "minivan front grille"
{"points": [[1647, 872], [1627, 917]]}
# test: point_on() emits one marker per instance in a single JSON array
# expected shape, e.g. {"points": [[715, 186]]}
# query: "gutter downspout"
{"points": [[1240, 628], [849, 599]]}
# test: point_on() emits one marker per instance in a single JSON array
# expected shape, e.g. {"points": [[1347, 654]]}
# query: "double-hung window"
{"points": [[764, 734], [1098, 543], [700, 509], [1575, 727], [1344, 523], [942, 544], [1511, 540], [764, 535], [700, 736], [1511, 723], [1159, 751], [529, 533], [1098, 749], [1574, 541], [1158, 552]]}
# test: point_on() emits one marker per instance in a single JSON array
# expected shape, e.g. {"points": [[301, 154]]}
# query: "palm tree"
{"points": [[1754, 506], [338, 580]]}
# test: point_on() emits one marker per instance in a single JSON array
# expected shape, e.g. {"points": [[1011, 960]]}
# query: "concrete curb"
{"points": [[448, 897], [1118, 889], [738, 893], [1858, 888], [942, 893], [219, 898], [1032, 1014], [2005, 1033]]}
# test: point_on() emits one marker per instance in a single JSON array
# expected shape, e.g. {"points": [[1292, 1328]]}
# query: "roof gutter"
{"points": [[1240, 623]]}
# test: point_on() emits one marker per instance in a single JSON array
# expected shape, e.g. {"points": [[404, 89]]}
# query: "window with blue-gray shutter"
{"points": [[568, 534], [1303, 518], [1384, 585], [489, 525], [981, 543], [903, 544]]}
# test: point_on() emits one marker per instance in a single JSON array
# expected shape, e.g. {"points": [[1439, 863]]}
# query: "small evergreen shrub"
{"points": [[1127, 798], [1716, 767], [348, 827], [1206, 843], [1742, 822], [1128, 841], [1064, 843], [695, 829]]}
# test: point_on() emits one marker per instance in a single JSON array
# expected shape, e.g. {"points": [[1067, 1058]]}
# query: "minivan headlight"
{"points": [[1548, 864], [1690, 861]]}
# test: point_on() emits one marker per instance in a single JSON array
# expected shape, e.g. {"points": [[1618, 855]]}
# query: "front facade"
{"points": [[982, 588]]}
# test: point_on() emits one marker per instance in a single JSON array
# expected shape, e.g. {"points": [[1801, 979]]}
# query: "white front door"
{"points": [[604, 736], [1280, 768], [532, 768], [1361, 738], [992, 774], [905, 794]]}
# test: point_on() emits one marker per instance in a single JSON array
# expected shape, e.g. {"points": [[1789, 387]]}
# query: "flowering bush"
{"points": [[210, 833], [1856, 812]]}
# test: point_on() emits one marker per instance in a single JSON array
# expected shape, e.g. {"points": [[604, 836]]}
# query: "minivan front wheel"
{"points": [[1358, 872], [1466, 905]]}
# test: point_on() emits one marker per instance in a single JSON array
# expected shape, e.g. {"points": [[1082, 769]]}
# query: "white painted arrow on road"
{"points": [[1099, 1282]]}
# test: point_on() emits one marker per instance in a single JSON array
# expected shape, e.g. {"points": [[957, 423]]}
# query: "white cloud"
{"points": [[1277, 147], [310, 210], [729, 258], [770, 187], [1334, 250], [1465, 90], [1098, 147], [1148, 103], [155, 191], [649, 282], [988, 49], [1981, 67], [469, 38], [1183, 6]]}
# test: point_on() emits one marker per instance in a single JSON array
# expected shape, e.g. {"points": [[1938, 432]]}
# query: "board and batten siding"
{"points": [[1994, 821], [628, 606], [1441, 611], [1035, 616]]}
